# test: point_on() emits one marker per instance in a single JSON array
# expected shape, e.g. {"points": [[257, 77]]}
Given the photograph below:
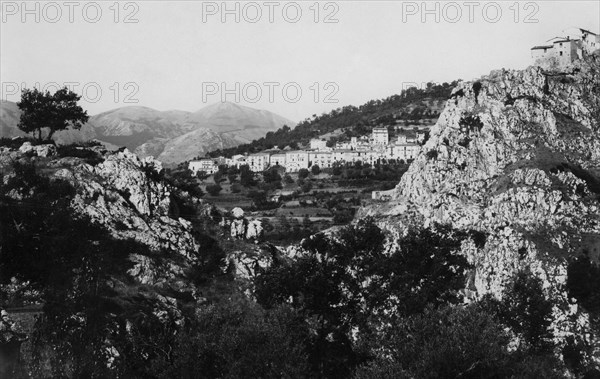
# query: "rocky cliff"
{"points": [[121, 194], [515, 155]]}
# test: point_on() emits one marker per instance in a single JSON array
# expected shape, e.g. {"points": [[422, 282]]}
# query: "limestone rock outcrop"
{"points": [[46, 150], [241, 227], [121, 194], [515, 155]]}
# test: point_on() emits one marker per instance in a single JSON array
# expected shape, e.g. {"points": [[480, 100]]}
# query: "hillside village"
{"points": [[369, 149], [452, 231], [378, 147]]}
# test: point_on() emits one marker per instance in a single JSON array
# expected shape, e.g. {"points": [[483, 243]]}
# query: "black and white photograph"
{"points": [[346, 189]]}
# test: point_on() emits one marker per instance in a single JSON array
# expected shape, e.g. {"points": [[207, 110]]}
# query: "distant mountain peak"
{"points": [[173, 135]]}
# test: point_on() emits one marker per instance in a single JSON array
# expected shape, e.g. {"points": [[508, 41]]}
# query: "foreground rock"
{"points": [[121, 194]]}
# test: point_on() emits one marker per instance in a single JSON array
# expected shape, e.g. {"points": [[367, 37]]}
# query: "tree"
{"points": [[303, 173], [56, 112], [452, 342], [238, 340], [201, 175], [184, 180], [213, 189], [525, 309], [337, 170], [342, 216], [306, 187], [246, 176], [218, 177], [306, 222], [271, 175], [530, 311], [315, 169], [348, 284]]}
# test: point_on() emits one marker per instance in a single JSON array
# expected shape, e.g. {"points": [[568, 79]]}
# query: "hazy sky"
{"points": [[177, 54]]}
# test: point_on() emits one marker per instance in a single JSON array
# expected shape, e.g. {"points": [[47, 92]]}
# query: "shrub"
{"points": [[432, 154], [238, 340], [303, 173], [454, 342], [213, 189], [181, 179], [464, 142], [479, 238], [78, 151], [470, 123], [525, 309], [15, 143], [476, 90], [306, 187], [583, 281]]}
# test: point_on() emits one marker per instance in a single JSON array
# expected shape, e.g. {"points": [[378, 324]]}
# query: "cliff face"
{"points": [[516, 155], [124, 195], [121, 194]]}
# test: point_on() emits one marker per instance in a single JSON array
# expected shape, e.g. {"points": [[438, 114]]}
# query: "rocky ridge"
{"points": [[515, 155], [120, 194]]}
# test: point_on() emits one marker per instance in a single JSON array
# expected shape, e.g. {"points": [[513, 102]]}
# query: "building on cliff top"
{"points": [[560, 52]]}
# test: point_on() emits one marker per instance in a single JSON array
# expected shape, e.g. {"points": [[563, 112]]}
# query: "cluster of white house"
{"points": [[562, 51], [367, 149]]}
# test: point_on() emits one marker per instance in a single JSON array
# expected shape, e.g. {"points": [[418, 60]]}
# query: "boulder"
{"points": [[237, 212], [254, 230], [46, 150]]}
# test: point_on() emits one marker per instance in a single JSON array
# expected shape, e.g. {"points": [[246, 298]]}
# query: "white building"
{"points": [[407, 138], [318, 144], [296, 160], [380, 136], [258, 162], [338, 155], [236, 161], [403, 151], [207, 165], [590, 41], [323, 159], [372, 157], [277, 159], [343, 146]]}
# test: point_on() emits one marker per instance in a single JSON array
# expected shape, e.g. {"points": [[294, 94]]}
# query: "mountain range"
{"points": [[170, 136]]}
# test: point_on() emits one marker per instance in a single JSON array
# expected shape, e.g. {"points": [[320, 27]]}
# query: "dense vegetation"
{"points": [[356, 121]]}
